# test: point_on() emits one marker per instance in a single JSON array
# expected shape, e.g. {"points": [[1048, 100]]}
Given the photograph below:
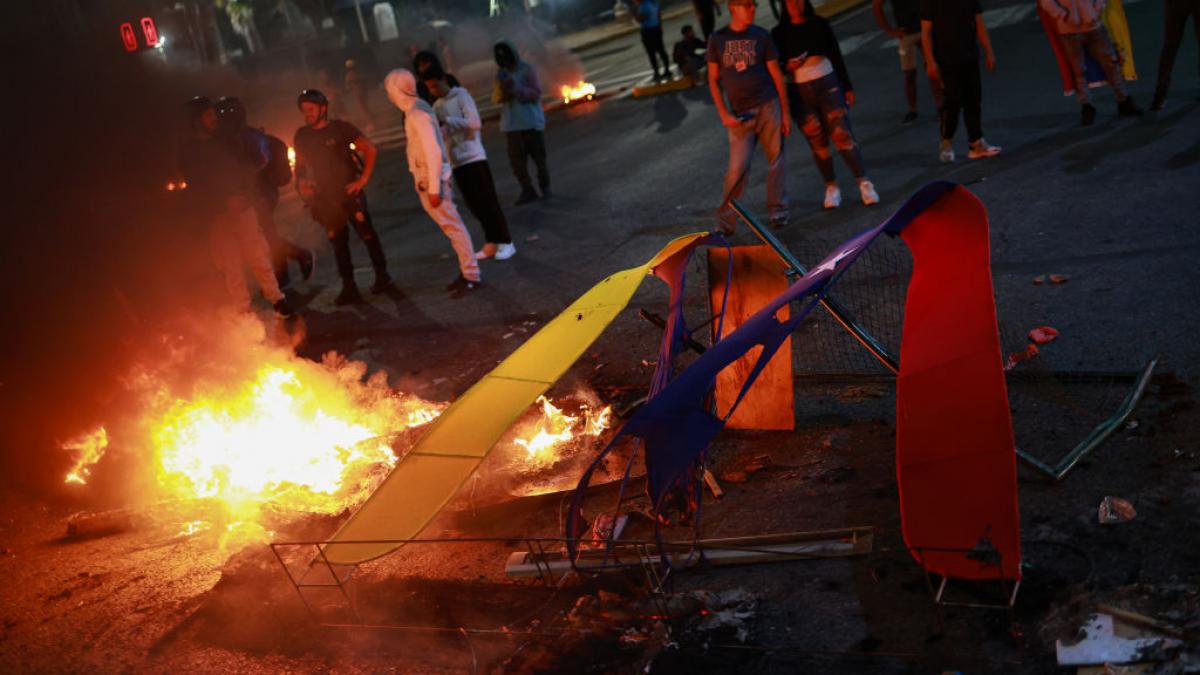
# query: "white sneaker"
{"points": [[946, 151], [833, 197], [505, 251], [867, 190], [981, 148]]}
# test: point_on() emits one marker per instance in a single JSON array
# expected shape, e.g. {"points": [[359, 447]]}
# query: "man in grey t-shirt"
{"points": [[743, 61]]}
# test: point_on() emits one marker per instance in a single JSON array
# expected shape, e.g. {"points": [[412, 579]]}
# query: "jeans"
{"points": [[282, 250], [522, 146], [479, 192], [962, 92], [1095, 43], [236, 241], [337, 214], [652, 40], [446, 216], [819, 108], [1175, 15], [765, 127]]}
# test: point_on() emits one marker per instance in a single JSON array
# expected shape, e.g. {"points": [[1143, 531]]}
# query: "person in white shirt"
{"points": [[459, 117], [431, 174]]}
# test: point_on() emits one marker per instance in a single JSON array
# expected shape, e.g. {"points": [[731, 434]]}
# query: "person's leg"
{"points": [[448, 219], [535, 144], [836, 117], [972, 102], [908, 47], [952, 91], [227, 257], [769, 130], [805, 112], [741, 153], [1175, 13], [360, 218], [707, 17], [1073, 48], [662, 51], [495, 225], [264, 210], [648, 45], [518, 161], [253, 251], [1098, 45]]}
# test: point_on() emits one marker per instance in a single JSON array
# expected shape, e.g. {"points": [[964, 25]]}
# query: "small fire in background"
{"points": [[581, 91], [554, 430], [250, 435], [88, 448], [292, 157], [173, 186]]}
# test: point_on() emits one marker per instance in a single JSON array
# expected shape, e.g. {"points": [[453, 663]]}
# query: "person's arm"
{"points": [[1052, 8], [881, 19], [839, 63], [433, 160], [469, 121], [714, 88], [527, 89], [781, 90], [981, 33], [369, 153], [931, 65]]}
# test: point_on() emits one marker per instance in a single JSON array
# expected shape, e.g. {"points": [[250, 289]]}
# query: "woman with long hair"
{"points": [[820, 95]]}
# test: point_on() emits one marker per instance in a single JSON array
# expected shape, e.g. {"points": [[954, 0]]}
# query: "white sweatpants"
{"points": [[446, 216], [236, 242]]}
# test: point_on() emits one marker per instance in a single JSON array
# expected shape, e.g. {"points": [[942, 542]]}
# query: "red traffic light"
{"points": [[128, 37], [149, 31]]}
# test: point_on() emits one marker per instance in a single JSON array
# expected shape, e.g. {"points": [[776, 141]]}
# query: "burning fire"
{"points": [[172, 186], [555, 428], [583, 91], [88, 449], [292, 157]]}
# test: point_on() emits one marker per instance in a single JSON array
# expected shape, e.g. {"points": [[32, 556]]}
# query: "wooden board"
{"points": [[758, 276], [718, 552]]}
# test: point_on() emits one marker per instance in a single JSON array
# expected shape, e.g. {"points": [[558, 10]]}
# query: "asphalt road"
{"points": [[1113, 206]]}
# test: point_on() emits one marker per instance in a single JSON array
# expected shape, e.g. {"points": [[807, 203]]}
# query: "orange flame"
{"points": [[88, 448], [581, 91], [554, 429], [292, 157]]}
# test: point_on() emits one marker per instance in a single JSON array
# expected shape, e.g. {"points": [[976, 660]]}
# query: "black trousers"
{"points": [[522, 146], [479, 192], [962, 92], [1175, 16], [652, 40], [337, 215], [704, 9], [282, 250]]}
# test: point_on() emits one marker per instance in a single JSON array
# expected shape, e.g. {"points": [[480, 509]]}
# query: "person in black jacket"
{"points": [[820, 94]]}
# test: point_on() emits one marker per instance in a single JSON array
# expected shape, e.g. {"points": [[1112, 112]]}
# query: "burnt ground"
{"points": [[1113, 207]]}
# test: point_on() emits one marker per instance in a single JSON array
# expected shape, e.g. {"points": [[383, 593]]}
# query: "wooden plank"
{"points": [[718, 552], [758, 276]]}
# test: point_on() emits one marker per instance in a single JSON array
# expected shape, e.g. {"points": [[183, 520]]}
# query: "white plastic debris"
{"points": [[1100, 645]]}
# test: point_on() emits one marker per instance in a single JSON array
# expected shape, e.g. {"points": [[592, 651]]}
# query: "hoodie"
{"points": [[426, 153], [520, 96], [1074, 16], [461, 125]]}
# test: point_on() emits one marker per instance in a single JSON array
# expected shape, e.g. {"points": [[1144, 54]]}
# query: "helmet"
{"points": [[232, 111], [312, 96]]}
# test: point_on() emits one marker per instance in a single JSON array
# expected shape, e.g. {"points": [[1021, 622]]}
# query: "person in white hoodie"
{"points": [[431, 174], [461, 128], [1082, 30]]}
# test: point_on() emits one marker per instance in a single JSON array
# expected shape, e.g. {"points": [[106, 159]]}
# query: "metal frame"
{"points": [[839, 313]]}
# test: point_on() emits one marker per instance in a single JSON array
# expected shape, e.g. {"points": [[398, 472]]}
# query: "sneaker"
{"points": [[1128, 108], [488, 251], [383, 283], [833, 197], [462, 284], [526, 197], [909, 117], [1159, 102], [284, 309], [946, 151], [867, 189], [308, 263], [505, 251], [348, 296], [981, 149], [1087, 115], [779, 221]]}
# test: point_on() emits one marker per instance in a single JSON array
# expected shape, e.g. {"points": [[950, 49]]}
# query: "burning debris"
{"points": [[580, 91], [554, 429], [88, 448]]}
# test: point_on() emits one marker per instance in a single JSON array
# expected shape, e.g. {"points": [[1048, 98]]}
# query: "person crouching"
{"points": [[431, 174]]}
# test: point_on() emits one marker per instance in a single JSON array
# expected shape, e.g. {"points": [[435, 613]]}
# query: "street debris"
{"points": [[1100, 645], [1013, 359], [1039, 280], [532, 237], [1115, 510], [1043, 335], [1059, 278]]}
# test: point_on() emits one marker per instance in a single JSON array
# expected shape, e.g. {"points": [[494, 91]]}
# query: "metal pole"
{"points": [[362, 25], [835, 310]]}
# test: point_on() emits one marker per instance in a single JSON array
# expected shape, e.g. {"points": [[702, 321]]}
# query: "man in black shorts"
{"points": [[331, 180]]}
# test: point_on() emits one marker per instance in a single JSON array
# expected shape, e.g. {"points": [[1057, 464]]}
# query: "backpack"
{"points": [[278, 170]]}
